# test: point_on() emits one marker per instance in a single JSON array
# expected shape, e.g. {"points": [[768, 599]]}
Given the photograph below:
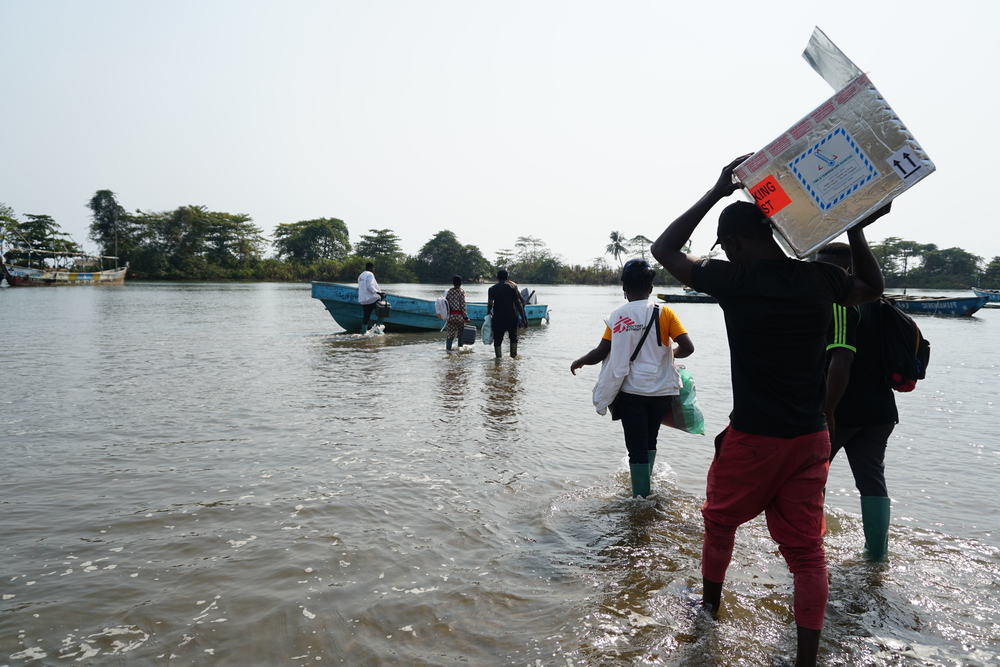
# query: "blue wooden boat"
{"points": [[409, 314], [961, 306], [990, 294]]}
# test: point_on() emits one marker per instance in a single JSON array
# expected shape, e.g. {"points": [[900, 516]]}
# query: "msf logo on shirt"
{"points": [[625, 324]]}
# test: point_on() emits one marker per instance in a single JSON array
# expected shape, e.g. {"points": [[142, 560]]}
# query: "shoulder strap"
{"points": [[654, 318], [659, 337]]}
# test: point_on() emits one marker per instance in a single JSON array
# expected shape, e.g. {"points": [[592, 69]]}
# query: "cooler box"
{"points": [[382, 309], [468, 334], [847, 158]]}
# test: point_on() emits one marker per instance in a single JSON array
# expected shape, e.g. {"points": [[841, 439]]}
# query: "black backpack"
{"points": [[905, 351]]}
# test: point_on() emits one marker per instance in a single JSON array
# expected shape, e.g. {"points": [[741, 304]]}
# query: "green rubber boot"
{"points": [[640, 479], [875, 518], [651, 453]]}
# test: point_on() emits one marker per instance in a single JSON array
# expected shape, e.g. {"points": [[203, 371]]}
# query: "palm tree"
{"points": [[617, 247]]}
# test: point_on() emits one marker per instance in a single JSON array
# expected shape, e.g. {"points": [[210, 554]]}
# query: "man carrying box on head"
{"points": [[774, 455]]}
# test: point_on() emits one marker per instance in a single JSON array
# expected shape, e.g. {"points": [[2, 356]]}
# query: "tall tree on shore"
{"points": [[951, 268], [505, 258], [617, 247], [444, 256], [111, 227], [534, 262], [8, 223], [991, 275], [309, 240], [233, 239], [36, 232], [380, 243], [641, 243]]}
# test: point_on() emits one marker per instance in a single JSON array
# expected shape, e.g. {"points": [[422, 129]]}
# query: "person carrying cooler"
{"points": [[457, 313], [638, 379], [368, 295], [774, 455]]}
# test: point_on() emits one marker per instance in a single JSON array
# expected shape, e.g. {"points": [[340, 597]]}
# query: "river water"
{"points": [[217, 474]]}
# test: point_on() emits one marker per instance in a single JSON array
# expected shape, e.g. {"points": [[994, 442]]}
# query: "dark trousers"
{"points": [[501, 327], [367, 309], [641, 417], [865, 449]]}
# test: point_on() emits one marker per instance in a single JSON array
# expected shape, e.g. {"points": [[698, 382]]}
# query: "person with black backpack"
{"points": [[860, 406]]}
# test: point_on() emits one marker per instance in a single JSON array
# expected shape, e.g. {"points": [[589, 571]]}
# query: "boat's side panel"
{"points": [[960, 306]]}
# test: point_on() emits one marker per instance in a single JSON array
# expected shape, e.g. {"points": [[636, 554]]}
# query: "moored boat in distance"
{"points": [[991, 294], [26, 276], [960, 306], [408, 314], [689, 296]]}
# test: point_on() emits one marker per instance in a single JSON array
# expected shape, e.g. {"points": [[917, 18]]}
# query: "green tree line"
{"points": [[194, 243]]}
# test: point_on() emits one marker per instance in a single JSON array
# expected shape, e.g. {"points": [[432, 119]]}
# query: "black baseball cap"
{"points": [[639, 266], [737, 216]]}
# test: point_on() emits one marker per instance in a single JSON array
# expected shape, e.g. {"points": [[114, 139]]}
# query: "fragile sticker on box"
{"points": [[849, 157]]}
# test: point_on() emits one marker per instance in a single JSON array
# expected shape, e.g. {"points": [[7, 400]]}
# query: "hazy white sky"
{"points": [[563, 120]]}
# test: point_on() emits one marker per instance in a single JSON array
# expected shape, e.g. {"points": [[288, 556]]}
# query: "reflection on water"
{"points": [[502, 399], [215, 474]]}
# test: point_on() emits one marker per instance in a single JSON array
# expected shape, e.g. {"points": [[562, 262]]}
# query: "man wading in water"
{"points": [[506, 305], [774, 455]]}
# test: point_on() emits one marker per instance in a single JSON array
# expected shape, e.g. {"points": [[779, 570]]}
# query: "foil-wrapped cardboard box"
{"points": [[847, 158]]}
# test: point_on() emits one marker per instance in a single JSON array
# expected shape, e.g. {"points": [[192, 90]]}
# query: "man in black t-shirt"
{"points": [[506, 305], [774, 455], [860, 405]]}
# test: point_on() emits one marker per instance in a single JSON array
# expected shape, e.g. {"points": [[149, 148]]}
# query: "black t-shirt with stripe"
{"points": [[777, 317]]}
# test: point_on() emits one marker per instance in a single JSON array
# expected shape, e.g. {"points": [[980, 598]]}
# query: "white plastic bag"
{"points": [[488, 330], [441, 308]]}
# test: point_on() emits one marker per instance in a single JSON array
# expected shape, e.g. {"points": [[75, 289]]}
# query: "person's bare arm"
{"points": [[685, 346], [868, 281], [595, 356], [667, 248]]}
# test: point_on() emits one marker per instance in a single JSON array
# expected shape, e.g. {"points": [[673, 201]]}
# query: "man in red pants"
{"points": [[774, 455]]}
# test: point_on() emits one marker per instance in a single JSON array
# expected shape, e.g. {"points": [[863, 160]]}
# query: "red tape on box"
{"points": [[769, 196]]}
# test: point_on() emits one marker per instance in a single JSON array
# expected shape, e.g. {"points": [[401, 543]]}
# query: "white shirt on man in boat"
{"points": [[368, 289]]}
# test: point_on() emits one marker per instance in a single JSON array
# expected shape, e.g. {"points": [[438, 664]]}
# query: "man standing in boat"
{"points": [[773, 457], [506, 305], [860, 405], [368, 294]]}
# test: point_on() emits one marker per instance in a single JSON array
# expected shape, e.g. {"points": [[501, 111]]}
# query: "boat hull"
{"points": [[963, 306], [687, 298], [22, 276], [409, 314]]}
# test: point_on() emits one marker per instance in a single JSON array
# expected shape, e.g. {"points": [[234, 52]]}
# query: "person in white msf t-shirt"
{"points": [[368, 294], [638, 379]]}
